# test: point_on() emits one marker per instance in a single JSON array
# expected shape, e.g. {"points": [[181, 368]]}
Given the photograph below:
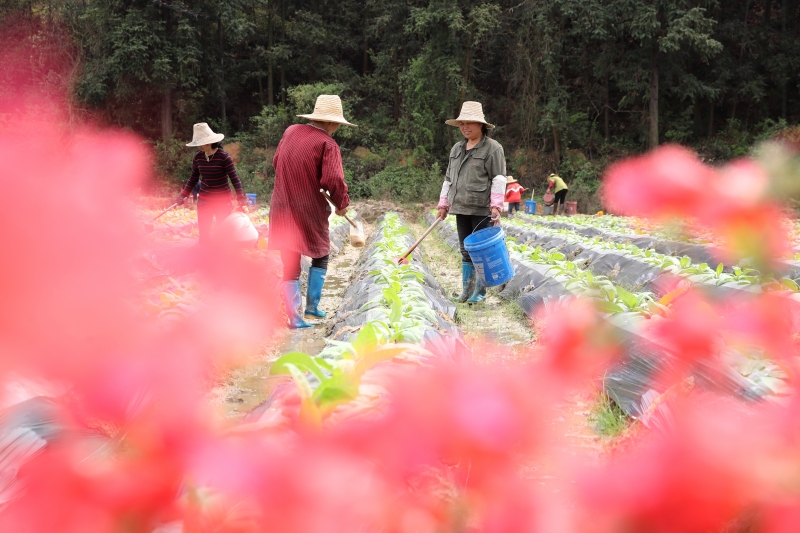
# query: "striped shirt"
{"points": [[307, 159], [214, 174]]}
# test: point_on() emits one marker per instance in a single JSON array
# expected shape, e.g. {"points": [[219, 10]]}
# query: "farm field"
{"points": [[627, 370]]}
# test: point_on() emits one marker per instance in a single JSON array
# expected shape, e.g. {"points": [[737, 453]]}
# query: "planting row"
{"points": [[180, 293], [393, 318], [636, 267], [545, 279], [658, 239]]}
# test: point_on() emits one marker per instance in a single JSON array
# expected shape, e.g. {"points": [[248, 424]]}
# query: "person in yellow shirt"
{"points": [[560, 193]]}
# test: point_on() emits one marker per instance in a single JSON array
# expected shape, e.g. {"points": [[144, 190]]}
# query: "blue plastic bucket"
{"points": [[489, 254], [251, 199], [530, 207]]}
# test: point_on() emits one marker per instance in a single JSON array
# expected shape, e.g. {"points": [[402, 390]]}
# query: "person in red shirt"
{"points": [[513, 194], [307, 159]]}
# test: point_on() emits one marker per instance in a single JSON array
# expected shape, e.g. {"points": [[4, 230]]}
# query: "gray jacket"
{"points": [[470, 176]]}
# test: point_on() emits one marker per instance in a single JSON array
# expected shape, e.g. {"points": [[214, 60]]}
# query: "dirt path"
{"points": [[496, 320], [245, 387], [506, 326]]}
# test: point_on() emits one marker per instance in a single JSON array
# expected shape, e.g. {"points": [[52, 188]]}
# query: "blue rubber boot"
{"points": [[467, 282], [480, 291], [316, 279], [293, 304]]}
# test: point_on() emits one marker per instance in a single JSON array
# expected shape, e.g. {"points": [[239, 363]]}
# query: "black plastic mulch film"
{"points": [[350, 317], [633, 382]]}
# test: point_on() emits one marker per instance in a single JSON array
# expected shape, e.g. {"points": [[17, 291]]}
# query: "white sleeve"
{"points": [[499, 185]]}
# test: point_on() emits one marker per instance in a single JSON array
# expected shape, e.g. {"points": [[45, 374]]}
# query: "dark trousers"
{"points": [[291, 264], [512, 206], [207, 210], [467, 225], [561, 197]]}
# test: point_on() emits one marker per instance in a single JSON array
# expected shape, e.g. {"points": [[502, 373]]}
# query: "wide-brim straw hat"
{"points": [[510, 180], [202, 134], [328, 108], [470, 112]]}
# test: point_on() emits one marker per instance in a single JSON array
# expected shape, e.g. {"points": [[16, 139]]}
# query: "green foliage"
{"points": [[406, 183], [557, 77], [607, 418]]}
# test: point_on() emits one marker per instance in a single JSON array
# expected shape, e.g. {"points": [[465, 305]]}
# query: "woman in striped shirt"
{"points": [[213, 167]]}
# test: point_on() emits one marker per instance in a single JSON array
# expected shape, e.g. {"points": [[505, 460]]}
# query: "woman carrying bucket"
{"points": [[212, 167], [560, 192], [473, 189], [307, 159]]}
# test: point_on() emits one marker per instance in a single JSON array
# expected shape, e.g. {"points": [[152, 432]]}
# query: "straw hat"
{"points": [[510, 180], [470, 112], [328, 109], [202, 134]]}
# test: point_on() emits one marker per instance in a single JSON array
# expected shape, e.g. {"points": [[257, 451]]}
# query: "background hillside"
{"points": [[571, 84]]}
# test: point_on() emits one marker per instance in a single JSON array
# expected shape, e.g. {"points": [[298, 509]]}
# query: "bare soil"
{"points": [[245, 387]]}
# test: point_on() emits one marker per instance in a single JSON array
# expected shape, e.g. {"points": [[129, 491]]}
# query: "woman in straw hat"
{"points": [[473, 189], [307, 160], [212, 167]]}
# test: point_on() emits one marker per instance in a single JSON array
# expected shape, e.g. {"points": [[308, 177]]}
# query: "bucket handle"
{"points": [[481, 222]]}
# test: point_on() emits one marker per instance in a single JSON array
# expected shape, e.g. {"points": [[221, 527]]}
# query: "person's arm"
{"points": [[192, 181], [230, 170], [333, 177], [443, 207], [496, 167]]}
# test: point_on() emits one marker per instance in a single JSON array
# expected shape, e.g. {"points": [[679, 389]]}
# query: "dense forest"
{"points": [[571, 84]]}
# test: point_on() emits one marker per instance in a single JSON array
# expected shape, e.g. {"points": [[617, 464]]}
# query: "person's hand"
{"points": [[495, 216], [341, 212], [442, 212], [179, 200]]}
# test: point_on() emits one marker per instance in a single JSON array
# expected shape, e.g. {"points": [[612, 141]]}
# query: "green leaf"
{"points": [[296, 360], [367, 339], [609, 307], [685, 262], [790, 284], [720, 268], [336, 391], [627, 298]]}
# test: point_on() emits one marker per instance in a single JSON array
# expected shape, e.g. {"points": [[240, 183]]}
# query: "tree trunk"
{"points": [[768, 13], [654, 102], [315, 10], [606, 111], [556, 145], [396, 96], [365, 67], [711, 121], [166, 115], [784, 96], [465, 72], [223, 113], [270, 76], [283, 40], [260, 91]]}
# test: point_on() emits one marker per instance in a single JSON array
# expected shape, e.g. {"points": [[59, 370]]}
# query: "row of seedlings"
{"points": [[638, 292], [622, 232], [547, 277], [181, 296], [631, 265], [393, 318]]}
